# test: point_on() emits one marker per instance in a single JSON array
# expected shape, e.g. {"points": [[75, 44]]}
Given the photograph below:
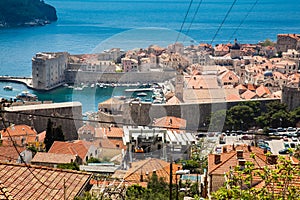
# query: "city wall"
{"points": [[129, 77], [195, 114], [38, 118]]}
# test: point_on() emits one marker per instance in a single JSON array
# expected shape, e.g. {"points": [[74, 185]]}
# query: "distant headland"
{"points": [[15, 13]]}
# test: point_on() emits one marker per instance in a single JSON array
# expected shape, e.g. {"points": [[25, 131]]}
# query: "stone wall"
{"points": [[130, 77], [291, 97], [195, 113], [38, 118]]}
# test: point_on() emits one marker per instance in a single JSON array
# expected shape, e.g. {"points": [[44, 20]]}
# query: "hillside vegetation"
{"points": [[25, 13]]}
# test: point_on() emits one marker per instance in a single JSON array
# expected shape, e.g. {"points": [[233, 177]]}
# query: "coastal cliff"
{"points": [[15, 13]]}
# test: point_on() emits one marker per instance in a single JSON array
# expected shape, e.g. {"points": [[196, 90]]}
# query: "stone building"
{"points": [[48, 70], [291, 97], [288, 41]]}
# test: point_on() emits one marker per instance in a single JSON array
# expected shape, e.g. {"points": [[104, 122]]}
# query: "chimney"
{"points": [[224, 149], [239, 154], [272, 159], [249, 148], [217, 158], [141, 178], [241, 163]]}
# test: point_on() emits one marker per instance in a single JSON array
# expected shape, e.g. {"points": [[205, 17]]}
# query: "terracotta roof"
{"points": [[232, 97], [55, 158], [230, 160], [22, 184], [77, 147], [263, 91], [9, 153], [248, 95], [18, 130], [114, 132], [111, 143], [240, 87], [146, 168], [229, 76], [173, 101], [251, 87], [170, 122], [41, 136], [21, 134]]}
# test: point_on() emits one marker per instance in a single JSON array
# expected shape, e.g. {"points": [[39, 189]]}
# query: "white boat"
{"points": [[26, 96], [78, 88], [141, 94], [8, 87], [65, 85], [92, 85]]}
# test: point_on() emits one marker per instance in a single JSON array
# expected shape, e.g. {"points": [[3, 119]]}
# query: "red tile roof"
{"points": [[21, 134], [170, 122], [114, 132], [248, 95], [230, 160], [37, 182], [18, 130], [263, 91], [55, 158], [146, 168], [77, 147], [9, 153]]}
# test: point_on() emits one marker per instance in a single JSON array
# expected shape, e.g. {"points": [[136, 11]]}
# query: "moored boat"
{"points": [[26, 96], [8, 87]]}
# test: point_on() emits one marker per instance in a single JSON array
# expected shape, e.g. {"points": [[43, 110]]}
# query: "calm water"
{"points": [[93, 25]]}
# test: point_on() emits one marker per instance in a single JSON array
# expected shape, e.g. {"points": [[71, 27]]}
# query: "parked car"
{"points": [[284, 151], [264, 146]]}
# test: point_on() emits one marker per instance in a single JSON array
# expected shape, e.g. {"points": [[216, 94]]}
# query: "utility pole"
{"points": [[171, 177]]}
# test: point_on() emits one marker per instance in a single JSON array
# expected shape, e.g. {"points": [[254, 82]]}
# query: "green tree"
{"points": [[93, 160], [217, 120], [268, 42], [73, 166], [58, 134], [53, 134], [276, 182], [240, 117], [295, 116], [49, 138], [276, 115]]}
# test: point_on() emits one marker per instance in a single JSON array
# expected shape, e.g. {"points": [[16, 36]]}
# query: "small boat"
{"points": [[8, 87], [92, 85], [78, 88], [65, 85], [26, 96], [141, 94]]}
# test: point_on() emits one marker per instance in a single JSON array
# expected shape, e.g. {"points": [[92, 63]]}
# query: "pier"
{"points": [[23, 80], [139, 90]]}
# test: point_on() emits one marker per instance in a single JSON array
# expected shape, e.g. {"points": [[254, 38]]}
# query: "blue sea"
{"points": [[87, 26]]}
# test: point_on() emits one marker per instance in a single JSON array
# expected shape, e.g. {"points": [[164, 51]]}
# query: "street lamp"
{"points": [[180, 172]]}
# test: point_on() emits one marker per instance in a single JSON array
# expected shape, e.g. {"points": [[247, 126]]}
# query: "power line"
{"points": [[247, 14], [191, 2], [21, 157], [223, 21], [195, 14], [94, 121]]}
